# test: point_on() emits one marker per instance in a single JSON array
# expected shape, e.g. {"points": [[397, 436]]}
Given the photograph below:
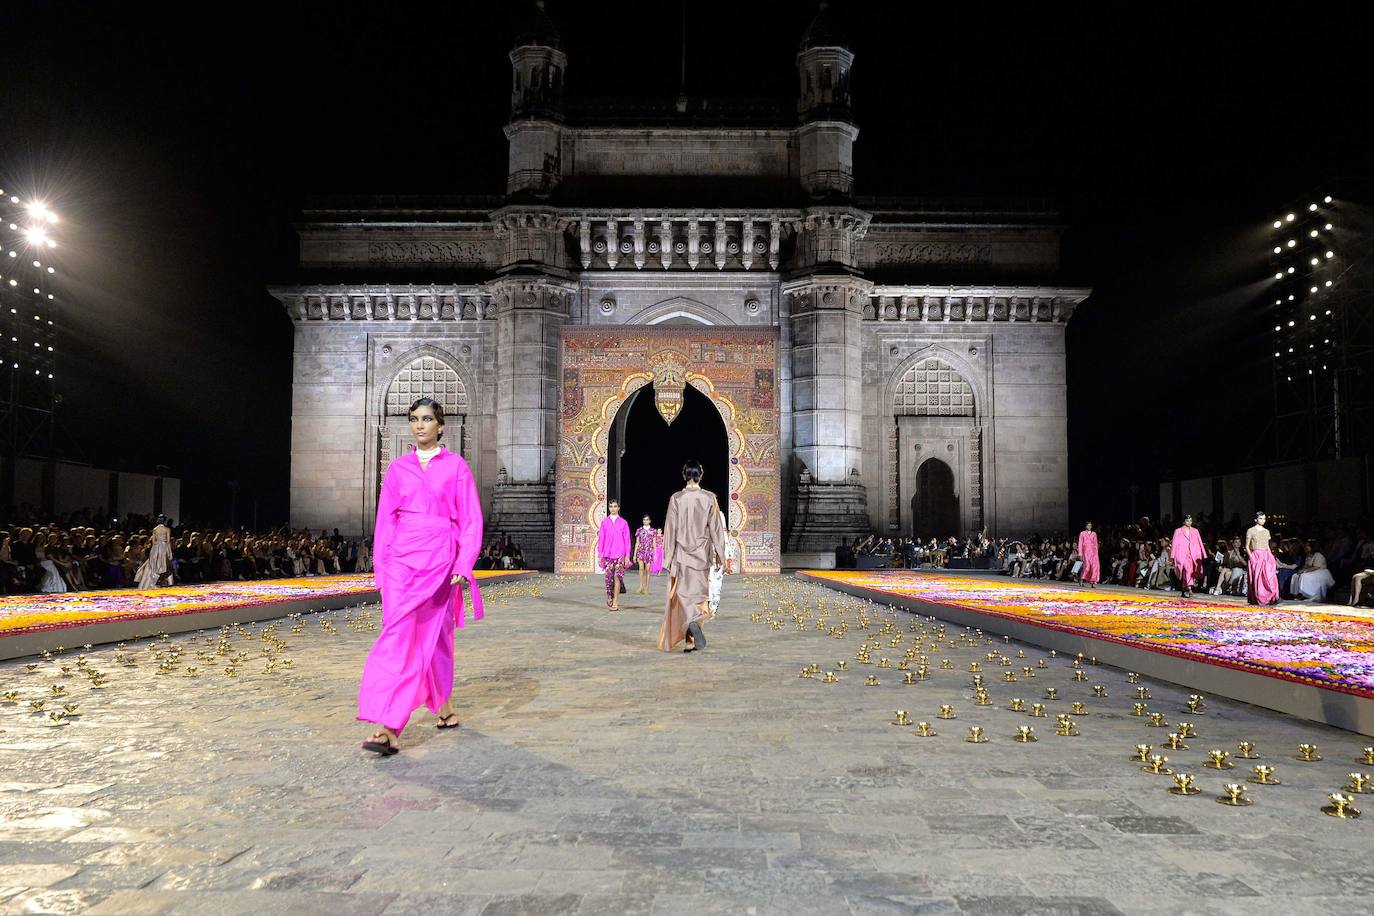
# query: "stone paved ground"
{"points": [[596, 775]]}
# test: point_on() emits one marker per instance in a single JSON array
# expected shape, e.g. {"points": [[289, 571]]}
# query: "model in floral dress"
{"points": [[644, 553]]}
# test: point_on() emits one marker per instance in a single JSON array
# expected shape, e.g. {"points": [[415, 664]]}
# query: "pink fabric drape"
{"points": [[657, 566], [1087, 549], [613, 540], [429, 528], [1187, 552], [1264, 580]]}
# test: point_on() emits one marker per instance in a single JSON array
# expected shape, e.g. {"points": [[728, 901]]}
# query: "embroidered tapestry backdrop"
{"points": [[736, 368]]}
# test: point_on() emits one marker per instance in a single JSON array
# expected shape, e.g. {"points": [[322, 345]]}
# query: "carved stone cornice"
{"points": [[422, 302], [1031, 304]]}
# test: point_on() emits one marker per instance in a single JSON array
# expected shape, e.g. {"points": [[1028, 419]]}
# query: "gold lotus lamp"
{"points": [[922, 673], [1157, 720], [1175, 742], [1051, 693], [1041, 664], [1264, 776], [1142, 752], [909, 678], [842, 664], [1186, 730], [1235, 796], [884, 663], [10, 697], [925, 730], [805, 673], [871, 681], [1037, 711], [1138, 709], [1342, 806], [1367, 755], [946, 712], [1078, 709], [975, 666], [1247, 751], [981, 698], [1017, 705], [1099, 691], [1219, 760], [1142, 693], [1065, 727], [978, 680], [1080, 675], [1360, 783], [1184, 784], [1132, 677], [975, 735], [1195, 705], [1027, 671], [946, 664], [1025, 734], [1159, 765], [1307, 753], [1008, 676], [901, 718]]}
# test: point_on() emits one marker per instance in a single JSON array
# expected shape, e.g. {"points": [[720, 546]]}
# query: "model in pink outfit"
{"points": [[428, 535], [658, 553], [613, 550], [1087, 551], [1262, 570], [1187, 553]]}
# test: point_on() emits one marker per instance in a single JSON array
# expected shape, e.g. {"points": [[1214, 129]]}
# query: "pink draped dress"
{"points": [[657, 566], [1087, 550], [1187, 552], [429, 528]]}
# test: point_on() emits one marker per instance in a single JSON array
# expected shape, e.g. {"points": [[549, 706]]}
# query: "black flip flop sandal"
{"points": [[452, 715], [381, 748]]}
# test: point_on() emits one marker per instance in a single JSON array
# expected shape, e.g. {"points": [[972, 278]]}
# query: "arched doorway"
{"points": [[934, 508], [646, 453]]}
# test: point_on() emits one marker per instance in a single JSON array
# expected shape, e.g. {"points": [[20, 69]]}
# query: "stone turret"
{"points": [[827, 133], [535, 130]]}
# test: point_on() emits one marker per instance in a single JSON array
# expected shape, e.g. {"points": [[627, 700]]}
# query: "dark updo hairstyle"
{"points": [[692, 470], [434, 406]]}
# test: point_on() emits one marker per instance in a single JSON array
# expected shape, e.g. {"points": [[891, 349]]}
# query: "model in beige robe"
{"points": [[693, 539]]}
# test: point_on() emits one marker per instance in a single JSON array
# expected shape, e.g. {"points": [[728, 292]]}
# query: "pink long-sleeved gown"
{"points": [[1087, 550], [613, 539], [429, 528], [1187, 553]]}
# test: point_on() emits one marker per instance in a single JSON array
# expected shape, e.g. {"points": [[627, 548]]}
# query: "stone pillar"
{"points": [[827, 411], [531, 311]]}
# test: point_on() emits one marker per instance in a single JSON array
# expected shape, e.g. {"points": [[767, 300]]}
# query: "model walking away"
{"points": [[1091, 572], [1188, 552], [1262, 571], [613, 549], [693, 541], [428, 534], [644, 553]]}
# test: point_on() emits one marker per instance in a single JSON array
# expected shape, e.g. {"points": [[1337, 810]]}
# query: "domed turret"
{"points": [[537, 63], [827, 134], [825, 31]]}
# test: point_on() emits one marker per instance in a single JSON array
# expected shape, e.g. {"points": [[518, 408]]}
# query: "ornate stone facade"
{"points": [[899, 331]]}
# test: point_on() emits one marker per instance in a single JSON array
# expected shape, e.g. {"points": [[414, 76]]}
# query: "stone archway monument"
{"points": [[737, 368]]}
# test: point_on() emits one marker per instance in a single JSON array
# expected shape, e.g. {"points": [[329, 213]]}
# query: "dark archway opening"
{"points": [[646, 454], [934, 508]]}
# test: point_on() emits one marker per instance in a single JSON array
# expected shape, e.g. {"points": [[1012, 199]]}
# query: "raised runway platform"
{"points": [[1313, 662], [30, 624]]}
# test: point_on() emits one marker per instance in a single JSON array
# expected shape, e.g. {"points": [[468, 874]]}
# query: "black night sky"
{"points": [[180, 141]]}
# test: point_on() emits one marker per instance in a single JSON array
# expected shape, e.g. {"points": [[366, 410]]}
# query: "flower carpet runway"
{"points": [[1315, 646], [28, 614]]}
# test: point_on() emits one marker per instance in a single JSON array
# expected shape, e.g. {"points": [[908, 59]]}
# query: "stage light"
{"points": [[49, 296], [1312, 290], [1291, 297], [1327, 199], [1291, 269], [1328, 311], [1278, 224], [14, 199], [1290, 217], [14, 226], [1278, 276], [35, 236], [51, 270], [1312, 317], [39, 211], [1313, 233], [1276, 353], [1328, 227], [1312, 206], [1315, 262], [36, 264], [14, 283], [1276, 327], [1328, 282], [1331, 254], [1291, 243], [1290, 323], [1277, 250]]}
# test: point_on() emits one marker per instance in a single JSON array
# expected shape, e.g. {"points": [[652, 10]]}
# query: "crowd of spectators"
{"points": [[1322, 562], [88, 550], [501, 553]]}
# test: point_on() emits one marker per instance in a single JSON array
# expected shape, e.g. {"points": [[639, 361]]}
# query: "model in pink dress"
{"points": [[613, 550], [1187, 552], [428, 534], [1087, 551], [657, 566], [1262, 570]]}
